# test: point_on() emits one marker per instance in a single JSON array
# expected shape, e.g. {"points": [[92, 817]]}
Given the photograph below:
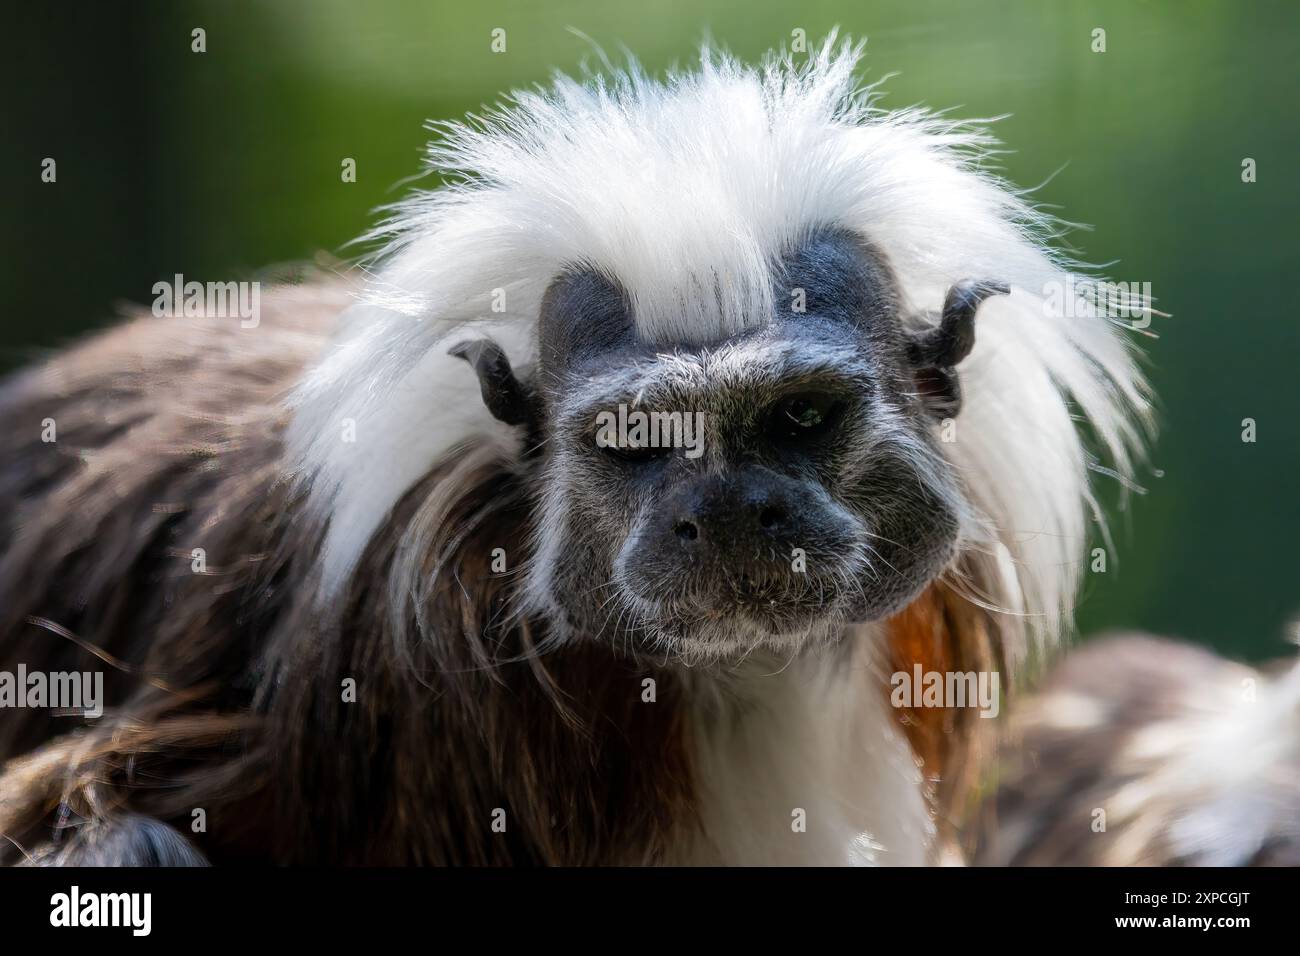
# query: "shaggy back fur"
{"points": [[1143, 752]]}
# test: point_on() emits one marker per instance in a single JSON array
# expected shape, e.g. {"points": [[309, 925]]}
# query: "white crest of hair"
{"points": [[686, 189]]}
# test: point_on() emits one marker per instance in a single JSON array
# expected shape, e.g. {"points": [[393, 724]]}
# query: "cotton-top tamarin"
{"points": [[1140, 751], [369, 583]]}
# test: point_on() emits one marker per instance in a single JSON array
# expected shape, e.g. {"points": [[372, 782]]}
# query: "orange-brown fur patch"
{"points": [[944, 633]]}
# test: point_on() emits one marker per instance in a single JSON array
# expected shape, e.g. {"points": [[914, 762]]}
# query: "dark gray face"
{"points": [[812, 497]]}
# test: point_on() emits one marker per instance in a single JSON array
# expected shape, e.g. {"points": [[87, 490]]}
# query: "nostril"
{"points": [[686, 530], [770, 517]]}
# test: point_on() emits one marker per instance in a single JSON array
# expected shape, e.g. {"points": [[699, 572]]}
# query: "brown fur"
{"points": [[945, 633], [225, 692], [460, 712], [168, 439], [225, 689]]}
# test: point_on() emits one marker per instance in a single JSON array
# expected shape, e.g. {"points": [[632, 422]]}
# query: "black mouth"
{"points": [[759, 592], [771, 606]]}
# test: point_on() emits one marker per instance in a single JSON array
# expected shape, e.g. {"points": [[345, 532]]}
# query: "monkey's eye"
{"points": [[805, 414], [634, 453]]}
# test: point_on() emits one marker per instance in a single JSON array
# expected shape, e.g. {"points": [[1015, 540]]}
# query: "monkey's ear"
{"points": [[504, 395], [935, 353]]}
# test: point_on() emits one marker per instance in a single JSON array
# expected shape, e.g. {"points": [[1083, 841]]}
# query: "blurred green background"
{"points": [[220, 163]]}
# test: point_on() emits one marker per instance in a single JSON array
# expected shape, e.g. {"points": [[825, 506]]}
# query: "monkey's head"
{"points": [[739, 300], [763, 489]]}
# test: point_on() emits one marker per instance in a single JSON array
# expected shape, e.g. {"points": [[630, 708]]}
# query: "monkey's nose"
{"points": [[730, 539], [722, 515]]}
